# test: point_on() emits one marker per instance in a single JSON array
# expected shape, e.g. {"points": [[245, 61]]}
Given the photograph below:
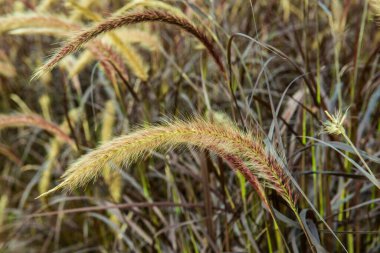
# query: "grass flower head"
{"points": [[335, 123]]}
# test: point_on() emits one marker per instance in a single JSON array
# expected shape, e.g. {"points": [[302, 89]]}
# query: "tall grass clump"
{"points": [[244, 152], [266, 75]]}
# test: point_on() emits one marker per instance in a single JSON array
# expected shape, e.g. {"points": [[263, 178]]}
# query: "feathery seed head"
{"points": [[335, 123], [241, 150], [131, 18]]}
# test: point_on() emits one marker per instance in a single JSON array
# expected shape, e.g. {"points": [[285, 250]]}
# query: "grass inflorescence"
{"points": [[224, 140], [131, 18]]}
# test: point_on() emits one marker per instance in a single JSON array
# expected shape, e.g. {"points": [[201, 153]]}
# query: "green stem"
{"points": [[294, 209], [359, 155]]}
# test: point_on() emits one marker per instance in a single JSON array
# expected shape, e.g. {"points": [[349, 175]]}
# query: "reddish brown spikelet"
{"points": [[237, 164], [281, 181], [274, 176]]}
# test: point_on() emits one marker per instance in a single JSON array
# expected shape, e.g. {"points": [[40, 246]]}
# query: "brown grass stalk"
{"points": [[7, 152], [238, 165]]}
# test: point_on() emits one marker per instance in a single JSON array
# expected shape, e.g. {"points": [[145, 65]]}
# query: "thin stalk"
{"points": [[294, 209], [359, 155]]}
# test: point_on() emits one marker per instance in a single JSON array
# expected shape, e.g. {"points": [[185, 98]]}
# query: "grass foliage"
{"points": [[189, 126]]}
